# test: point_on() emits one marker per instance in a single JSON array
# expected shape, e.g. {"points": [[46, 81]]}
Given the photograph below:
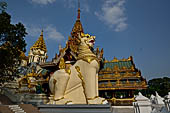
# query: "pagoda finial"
{"points": [[41, 32], [78, 28], [78, 16]]}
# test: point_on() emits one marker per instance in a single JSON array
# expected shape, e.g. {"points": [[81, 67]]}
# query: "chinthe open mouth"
{"points": [[91, 41]]}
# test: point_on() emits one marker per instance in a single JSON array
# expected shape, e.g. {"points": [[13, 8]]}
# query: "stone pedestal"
{"points": [[75, 108]]}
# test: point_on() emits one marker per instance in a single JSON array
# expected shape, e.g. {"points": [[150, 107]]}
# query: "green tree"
{"points": [[3, 6], [161, 85], [12, 43]]}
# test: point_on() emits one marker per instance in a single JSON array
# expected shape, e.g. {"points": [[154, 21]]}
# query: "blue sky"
{"points": [[138, 28]]}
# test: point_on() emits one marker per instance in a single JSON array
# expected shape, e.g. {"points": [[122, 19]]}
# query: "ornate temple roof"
{"points": [[120, 74], [116, 64], [40, 43], [78, 28]]}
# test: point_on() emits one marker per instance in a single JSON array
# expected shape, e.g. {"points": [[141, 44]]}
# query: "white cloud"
{"points": [[70, 3], [43, 2], [113, 14], [33, 30], [50, 32], [84, 6]]}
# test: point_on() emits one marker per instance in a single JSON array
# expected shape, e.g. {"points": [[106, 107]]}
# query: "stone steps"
{"points": [[16, 109], [5, 109], [22, 108], [29, 108]]}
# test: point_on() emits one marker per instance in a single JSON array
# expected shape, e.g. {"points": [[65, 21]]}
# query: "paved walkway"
{"points": [[123, 109]]}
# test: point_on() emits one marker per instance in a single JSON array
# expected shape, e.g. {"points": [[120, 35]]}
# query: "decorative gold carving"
{"points": [[132, 68], [97, 51], [62, 64], [85, 35], [108, 69], [124, 68], [28, 78], [115, 60], [130, 58], [127, 81], [138, 74], [106, 61], [109, 84], [78, 28], [106, 76], [116, 68], [135, 84], [80, 75], [101, 53], [116, 100], [68, 71], [126, 85], [93, 98], [58, 99], [64, 49], [73, 44], [117, 74], [56, 56], [124, 59], [102, 85], [88, 58], [117, 82]]}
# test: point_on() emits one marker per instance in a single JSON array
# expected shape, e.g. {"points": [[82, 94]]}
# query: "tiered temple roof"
{"points": [[120, 74], [40, 43]]}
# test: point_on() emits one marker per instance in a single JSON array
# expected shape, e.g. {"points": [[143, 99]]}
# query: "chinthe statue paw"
{"points": [[60, 101], [97, 100]]}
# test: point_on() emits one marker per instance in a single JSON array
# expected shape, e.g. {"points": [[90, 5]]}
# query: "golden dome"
{"points": [[40, 43]]}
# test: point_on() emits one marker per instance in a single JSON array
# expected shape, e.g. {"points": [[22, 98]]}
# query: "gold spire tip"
{"points": [[78, 16], [41, 32]]}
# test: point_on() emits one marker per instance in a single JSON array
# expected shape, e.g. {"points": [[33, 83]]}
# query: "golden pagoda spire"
{"points": [[78, 16], [40, 43], [41, 32], [78, 28]]}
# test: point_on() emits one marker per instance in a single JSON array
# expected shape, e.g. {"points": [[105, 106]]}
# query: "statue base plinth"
{"points": [[75, 108]]}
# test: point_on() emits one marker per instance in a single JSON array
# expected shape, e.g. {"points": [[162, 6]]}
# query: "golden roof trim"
{"points": [[117, 60]]}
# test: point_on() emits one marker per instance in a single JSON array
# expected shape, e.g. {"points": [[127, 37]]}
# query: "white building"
{"points": [[38, 52]]}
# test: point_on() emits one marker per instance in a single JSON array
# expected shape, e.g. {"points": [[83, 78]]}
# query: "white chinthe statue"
{"points": [[79, 83]]}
